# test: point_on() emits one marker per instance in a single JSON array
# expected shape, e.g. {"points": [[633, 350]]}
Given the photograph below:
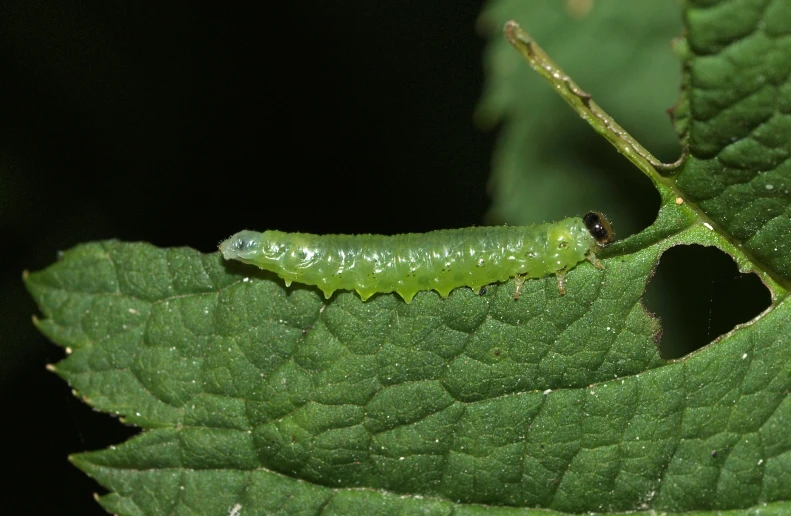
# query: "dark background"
{"points": [[180, 126]]}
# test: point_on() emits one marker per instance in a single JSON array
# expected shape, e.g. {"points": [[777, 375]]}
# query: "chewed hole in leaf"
{"points": [[699, 294]]}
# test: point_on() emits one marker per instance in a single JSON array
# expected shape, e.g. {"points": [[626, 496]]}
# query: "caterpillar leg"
{"points": [[561, 276], [519, 280], [596, 263]]}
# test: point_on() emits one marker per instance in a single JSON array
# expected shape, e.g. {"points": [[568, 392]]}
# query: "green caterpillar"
{"points": [[438, 260]]}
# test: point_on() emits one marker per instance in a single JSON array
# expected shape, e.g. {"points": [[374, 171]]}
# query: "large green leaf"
{"points": [[545, 402], [258, 398]]}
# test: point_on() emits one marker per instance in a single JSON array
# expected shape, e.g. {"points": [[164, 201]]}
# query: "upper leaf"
{"points": [[738, 131]]}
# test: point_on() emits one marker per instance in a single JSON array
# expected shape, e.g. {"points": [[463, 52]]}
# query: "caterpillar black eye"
{"points": [[599, 228]]}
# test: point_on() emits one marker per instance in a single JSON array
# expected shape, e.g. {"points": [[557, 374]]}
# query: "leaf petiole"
{"points": [[582, 103]]}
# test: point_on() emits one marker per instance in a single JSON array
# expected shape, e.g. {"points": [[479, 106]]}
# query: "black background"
{"points": [[181, 125]]}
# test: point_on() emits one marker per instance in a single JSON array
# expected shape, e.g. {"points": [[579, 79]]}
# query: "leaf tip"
{"points": [[79, 461], [38, 323]]}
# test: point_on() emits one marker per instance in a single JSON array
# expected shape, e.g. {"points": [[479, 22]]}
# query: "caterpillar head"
{"points": [[599, 228], [244, 246]]}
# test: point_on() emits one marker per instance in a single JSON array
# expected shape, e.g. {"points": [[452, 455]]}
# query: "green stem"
{"points": [[581, 102]]}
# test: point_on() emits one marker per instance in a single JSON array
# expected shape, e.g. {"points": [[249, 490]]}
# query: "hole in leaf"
{"points": [[699, 294]]}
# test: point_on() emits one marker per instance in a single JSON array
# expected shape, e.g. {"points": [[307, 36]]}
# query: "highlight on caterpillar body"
{"points": [[438, 260]]}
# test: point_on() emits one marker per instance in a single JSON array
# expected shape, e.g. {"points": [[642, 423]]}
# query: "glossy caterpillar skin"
{"points": [[438, 260]]}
